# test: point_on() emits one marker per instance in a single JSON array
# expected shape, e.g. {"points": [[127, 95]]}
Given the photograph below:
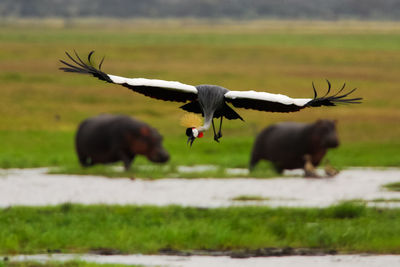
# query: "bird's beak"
{"points": [[191, 140]]}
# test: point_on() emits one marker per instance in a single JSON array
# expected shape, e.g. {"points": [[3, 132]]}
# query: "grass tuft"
{"points": [[250, 198], [385, 200], [392, 186], [347, 210]]}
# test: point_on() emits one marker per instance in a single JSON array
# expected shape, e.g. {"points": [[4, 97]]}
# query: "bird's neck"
{"points": [[206, 125]]}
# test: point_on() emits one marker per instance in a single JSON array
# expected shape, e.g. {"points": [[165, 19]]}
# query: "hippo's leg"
{"points": [[85, 160], [309, 169], [278, 168], [253, 162], [127, 160]]}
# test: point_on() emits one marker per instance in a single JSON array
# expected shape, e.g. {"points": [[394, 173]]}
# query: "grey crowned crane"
{"points": [[208, 100]]}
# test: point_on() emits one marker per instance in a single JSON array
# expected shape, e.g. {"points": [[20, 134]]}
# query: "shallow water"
{"points": [[202, 261], [33, 187]]}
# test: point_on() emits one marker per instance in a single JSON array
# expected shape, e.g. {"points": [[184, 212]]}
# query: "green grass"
{"points": [[27, 149], [380, 200], [250, 198], [375, 200], [358, 36], [347, 227], [72, 263], [392, 186], [41, 106]]}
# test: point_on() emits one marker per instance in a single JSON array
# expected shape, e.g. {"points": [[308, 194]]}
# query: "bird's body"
{"points": [[211, 104], [211, 100], [208, 100]]}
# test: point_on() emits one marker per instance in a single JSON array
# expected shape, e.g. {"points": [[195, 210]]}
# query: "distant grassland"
{"points": [[42, 106]]}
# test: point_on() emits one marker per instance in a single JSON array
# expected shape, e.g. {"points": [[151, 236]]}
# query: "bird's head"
{"points": [[192, 133], [193, 121]]}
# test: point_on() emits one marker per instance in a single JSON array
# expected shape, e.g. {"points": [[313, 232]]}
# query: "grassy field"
{"points": [[347, 227], [42, 106]]}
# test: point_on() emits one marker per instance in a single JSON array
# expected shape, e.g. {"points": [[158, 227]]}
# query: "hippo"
{"points": [[291, 145], [111, 138]]}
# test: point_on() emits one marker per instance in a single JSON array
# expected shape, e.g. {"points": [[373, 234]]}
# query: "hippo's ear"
{"points": [[145, 131]]}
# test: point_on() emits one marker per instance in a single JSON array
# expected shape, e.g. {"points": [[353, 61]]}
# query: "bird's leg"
{"points": [[215, 135], [220, 128]]}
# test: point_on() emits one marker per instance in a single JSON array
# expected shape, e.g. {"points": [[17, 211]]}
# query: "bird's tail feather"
{"points": [[333, 99], [79, 66]]}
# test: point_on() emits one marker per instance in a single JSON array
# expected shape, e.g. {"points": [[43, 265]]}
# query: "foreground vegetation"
{"points": [[347, 227]]}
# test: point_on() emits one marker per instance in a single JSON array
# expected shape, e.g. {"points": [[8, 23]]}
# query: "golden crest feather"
{"points": [[189, 120]]}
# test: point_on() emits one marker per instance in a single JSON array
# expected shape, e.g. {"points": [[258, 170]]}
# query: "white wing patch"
{"points": [[154, 83], [267, 97]]}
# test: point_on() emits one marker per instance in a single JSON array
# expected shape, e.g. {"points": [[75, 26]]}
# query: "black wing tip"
{"points": [[90, 55], [334, 99], [79, 66]]}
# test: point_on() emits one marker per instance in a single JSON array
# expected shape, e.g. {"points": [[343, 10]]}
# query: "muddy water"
{"points": [[34, 187], [202, 261]]}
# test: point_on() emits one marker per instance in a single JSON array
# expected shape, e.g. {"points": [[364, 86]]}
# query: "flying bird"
{"points": [[208, 100]]}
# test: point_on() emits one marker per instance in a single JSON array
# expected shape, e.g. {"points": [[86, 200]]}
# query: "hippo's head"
{"points": [[325, 132], [156, 152], [149, 144]]}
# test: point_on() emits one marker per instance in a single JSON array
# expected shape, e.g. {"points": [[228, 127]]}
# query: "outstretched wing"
{"points": [[281, 103], [159, 89]]}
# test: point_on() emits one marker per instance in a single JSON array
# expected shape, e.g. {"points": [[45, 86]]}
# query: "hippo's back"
{"points": [[285, 135], [280, 143], [102, 134]]}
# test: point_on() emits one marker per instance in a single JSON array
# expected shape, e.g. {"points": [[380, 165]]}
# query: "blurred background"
{"points": [[272, 46], [205, 9]]}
